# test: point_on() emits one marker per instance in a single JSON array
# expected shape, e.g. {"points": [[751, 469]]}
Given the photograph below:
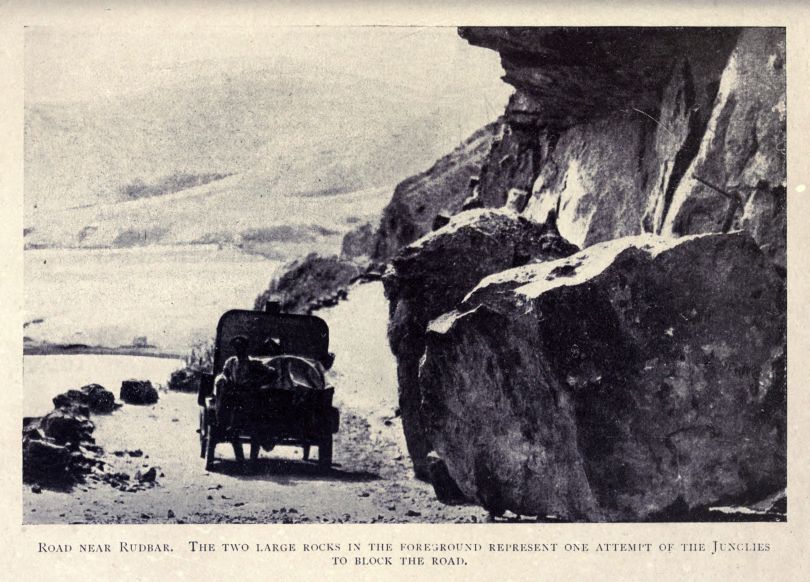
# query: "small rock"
{"points": [[36, 489], [147, 477], [412, 513], [138, 392], [170, 514], [135, 453]]}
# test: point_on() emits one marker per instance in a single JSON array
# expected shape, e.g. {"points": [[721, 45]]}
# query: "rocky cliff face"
{"points": [[643, 374], [611, 127]]}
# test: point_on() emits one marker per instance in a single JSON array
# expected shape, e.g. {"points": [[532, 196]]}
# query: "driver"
{"points": [[240, 378]]}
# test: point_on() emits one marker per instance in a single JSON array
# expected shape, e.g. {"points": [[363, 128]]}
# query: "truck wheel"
{"points": [[210, 447], [325, 452]]}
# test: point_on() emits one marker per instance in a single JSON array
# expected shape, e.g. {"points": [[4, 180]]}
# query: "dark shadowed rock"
{"points": [[138, 392], [99, 399], [47, 462], [69, 427], [633, 377], [58, 448], [443, 485], [147, 476], [433, 274], [90, 398], [185, 380], [310, 284]]}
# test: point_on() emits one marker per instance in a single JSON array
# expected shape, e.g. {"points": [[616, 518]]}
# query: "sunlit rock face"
{"points": [[631, 377], [743, 151], [609, 127]]}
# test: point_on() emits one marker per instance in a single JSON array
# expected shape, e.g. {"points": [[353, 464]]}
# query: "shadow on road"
{"points": [[286, 471]]}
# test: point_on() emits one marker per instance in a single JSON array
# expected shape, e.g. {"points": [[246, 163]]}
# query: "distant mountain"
{"points": [[219, 157]]}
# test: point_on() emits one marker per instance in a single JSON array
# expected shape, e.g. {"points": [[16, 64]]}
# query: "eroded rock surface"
{"points": [[608, 127], [743, 152], [433, 275], [631, 377]]}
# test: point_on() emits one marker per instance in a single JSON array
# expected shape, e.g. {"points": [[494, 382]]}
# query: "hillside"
{"points": [[267, 142]]}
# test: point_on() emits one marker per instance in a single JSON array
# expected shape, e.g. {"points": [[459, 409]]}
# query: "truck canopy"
{"points": [[300, 335]]}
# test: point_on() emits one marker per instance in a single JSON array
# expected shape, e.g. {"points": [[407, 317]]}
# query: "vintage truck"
{"points": [[292, 405]]}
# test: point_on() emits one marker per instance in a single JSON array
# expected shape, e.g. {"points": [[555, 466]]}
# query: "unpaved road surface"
{"points": [[370, 480]]}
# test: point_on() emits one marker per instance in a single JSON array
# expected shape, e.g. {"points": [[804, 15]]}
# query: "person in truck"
{"points": [[237, 386]]}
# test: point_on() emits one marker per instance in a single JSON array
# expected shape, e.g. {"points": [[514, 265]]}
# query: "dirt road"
{"points": [[369, 482]]}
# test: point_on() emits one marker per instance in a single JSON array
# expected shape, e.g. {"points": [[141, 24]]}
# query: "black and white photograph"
{"points": [[405, 274]]}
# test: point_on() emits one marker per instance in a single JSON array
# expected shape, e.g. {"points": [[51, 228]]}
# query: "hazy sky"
{"points": [[75, 65]]}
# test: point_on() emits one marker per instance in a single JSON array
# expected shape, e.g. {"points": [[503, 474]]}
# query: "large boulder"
{"points": [[632, 377], [433, 275], [99, 399], [138, 392], [46, 461], [185, 380]]}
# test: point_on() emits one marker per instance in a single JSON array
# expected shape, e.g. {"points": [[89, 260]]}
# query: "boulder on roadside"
{"points": [[67, 427], [148, 476], [94, 397], [58, 448], [635, 376], [46, 461], [99, 399], [138, 392], [185, 380], [432, 275]]}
